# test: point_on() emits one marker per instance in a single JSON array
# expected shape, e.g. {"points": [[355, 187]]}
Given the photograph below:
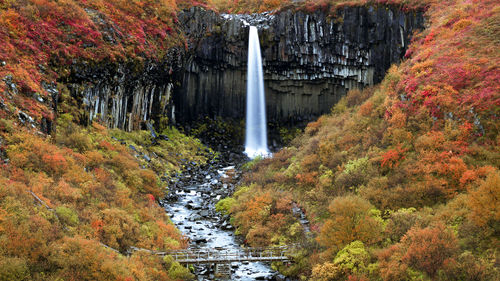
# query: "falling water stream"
{"points": [[193, 206], [256, 124]]}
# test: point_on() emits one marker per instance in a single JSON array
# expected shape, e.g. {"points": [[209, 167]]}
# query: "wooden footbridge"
{"points": [[221, 255]]}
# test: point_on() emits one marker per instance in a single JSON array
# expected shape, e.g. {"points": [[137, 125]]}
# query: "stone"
{"points": [[310, 59], [151, 130], [199, 240], [280, 277]]}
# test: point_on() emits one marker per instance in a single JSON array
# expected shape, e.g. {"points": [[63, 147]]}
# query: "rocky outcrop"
{"points": [[124, 95], [310, 59]]}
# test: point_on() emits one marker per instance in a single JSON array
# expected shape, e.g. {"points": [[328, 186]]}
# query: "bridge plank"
{"points": [[200, 256]]}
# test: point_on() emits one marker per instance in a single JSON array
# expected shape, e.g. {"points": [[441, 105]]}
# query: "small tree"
{"points": [[428, 248], [351, 218]]}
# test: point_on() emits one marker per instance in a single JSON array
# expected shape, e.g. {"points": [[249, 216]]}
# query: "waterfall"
{"points": [[256, 124]]}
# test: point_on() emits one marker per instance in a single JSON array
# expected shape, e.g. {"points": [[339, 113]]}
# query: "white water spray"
{"points": [[256, 124]]}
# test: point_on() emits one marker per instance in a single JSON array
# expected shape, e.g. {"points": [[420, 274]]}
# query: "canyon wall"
{"points": [[125, 95], [310, 59]]}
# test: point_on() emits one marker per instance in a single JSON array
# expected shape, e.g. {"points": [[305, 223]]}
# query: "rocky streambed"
{"points": [[191, 206]]}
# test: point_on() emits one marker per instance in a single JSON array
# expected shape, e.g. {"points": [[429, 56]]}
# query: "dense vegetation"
{"points": [[259, 6], [71, 206], [400, 181], [41, 39]]}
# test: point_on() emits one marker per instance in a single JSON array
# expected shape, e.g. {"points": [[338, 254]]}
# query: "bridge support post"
{"points": [[223, 271]]}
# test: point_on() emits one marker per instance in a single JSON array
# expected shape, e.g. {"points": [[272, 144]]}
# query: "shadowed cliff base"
{"points": [[310, 59]]}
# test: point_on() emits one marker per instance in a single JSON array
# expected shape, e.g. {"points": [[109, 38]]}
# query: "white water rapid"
{"points": [[256, 124]]}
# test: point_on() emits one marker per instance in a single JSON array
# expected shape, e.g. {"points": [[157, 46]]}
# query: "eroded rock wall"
{"points": [[310, 59], [125, 95]]}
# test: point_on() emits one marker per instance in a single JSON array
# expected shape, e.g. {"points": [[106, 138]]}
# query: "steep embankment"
{"points": [[311, 58], [46, 41], [73, 203], [71, 207], [401, 180]]}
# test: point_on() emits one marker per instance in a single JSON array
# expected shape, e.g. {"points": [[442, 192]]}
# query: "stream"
{"points": [[191, 206]]}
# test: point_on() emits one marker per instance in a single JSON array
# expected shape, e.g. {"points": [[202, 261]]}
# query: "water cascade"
{"points": [[256, 124]]}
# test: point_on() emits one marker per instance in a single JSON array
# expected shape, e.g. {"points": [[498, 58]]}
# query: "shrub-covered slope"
{"points": [[259, 6], [41, 39], [72, 205], [400, 181]]}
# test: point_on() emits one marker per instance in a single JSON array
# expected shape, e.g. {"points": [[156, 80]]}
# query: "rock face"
{"points": [[125, 95], [310, 59]]}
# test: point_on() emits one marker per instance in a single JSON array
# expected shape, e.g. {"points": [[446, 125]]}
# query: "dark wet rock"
{"points": [[125, 95], [3, 153], [280, 277], [25, 118], [151, 130], [199, 240], [195, 218], [203, 271], [193, 207], [11, 86], [37, 97], [310, 59], [163, 137]]}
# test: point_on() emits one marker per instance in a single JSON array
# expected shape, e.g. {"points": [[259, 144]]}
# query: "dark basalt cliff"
{"points": [[125, 95], [310, 59]]}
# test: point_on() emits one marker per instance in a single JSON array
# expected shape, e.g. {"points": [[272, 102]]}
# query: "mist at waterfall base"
{"points": [[256, 123]]}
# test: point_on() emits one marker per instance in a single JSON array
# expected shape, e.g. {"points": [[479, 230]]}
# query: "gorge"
{"points": [[122, 132], [311, 59]]}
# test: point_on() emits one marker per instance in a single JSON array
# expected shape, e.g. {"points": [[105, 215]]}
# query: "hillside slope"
{"points": [[400, 181], [72, 205]]}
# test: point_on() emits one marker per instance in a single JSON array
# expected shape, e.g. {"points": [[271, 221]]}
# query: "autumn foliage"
{"points": [[72, 212], [408, 167], [42, 39]]}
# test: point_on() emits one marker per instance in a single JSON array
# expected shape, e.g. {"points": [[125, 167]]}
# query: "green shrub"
{"points": [[175, 270], [67, 216], [13, 269], [224, 205]]}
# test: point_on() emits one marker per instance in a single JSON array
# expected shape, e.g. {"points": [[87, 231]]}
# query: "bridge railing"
{"points": [[221, 255]]}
